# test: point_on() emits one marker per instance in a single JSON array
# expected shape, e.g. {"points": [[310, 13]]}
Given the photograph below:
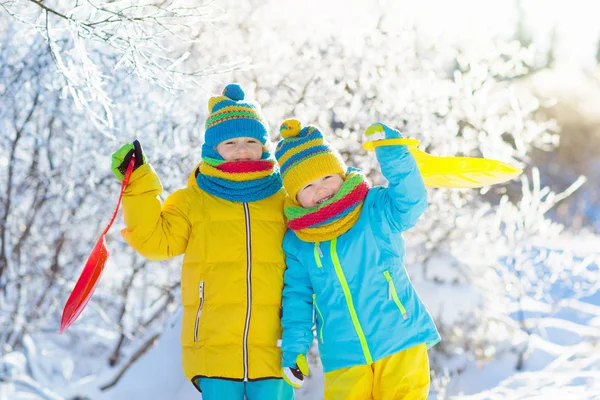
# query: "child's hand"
{"points": [[380, 131], [121, 158], [295, 375]]}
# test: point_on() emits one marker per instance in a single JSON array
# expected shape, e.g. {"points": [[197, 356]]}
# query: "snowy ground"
{"points": [[562, 357], [562, 360]]}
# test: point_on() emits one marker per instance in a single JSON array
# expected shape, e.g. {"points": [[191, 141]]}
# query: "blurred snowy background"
{"points": [[510, 273]]}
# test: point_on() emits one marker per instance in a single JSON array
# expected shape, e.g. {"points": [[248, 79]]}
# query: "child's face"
{"points": [[320, 190], [240, 149]]}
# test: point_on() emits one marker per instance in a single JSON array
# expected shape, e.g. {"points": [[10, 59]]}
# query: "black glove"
{"points": [[122, 157]]}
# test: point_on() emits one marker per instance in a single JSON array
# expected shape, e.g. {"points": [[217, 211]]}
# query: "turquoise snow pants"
{"points": [[264, 389]]}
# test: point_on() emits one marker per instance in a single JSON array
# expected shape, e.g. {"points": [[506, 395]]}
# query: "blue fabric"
{"points": [[234, 128], [245, 191], [264, 389], [371, 247]]}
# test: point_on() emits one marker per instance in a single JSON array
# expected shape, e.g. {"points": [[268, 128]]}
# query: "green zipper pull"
{"points": [[318, 255]]}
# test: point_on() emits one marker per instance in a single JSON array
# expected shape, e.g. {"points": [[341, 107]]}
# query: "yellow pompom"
{"points": [[290, 128]]}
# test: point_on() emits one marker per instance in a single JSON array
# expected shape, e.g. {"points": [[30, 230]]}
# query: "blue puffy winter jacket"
{"points": [[356, 285]]}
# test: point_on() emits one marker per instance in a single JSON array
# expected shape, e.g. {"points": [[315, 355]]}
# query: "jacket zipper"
{"points": [[392, 294], [199, 312], [321, 317], [359, 331], [248, 288]]}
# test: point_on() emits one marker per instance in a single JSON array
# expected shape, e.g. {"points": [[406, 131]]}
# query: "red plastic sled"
{"points": [[90, 276]]}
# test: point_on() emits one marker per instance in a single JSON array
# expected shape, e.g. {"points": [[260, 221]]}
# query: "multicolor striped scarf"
{"points": [[240, 181], [332, 218]]}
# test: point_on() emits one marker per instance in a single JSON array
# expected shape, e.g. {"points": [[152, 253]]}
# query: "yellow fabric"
{"points": [[401, 376], [211, 233], [310, 168], [453, 172]]}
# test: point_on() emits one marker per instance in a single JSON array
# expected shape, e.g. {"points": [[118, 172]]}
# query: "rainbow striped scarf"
{"points": [[332, 218], [240, 181]]}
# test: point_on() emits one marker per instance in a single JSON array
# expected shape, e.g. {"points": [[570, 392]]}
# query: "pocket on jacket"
{"points": [[393, 294], [199, 312]]}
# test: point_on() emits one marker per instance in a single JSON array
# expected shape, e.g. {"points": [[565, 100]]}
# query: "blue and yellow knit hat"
{"points": [[231, 117], [303, 155]]}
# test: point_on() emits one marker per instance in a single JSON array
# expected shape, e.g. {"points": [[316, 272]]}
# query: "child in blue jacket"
{"points": [[344, 254]]}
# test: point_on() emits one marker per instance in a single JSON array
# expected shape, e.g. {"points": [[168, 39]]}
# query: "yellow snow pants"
{"points": [[401, 376]]}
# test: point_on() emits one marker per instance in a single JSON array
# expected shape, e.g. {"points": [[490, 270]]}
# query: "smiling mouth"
{"points": [[242, 159], [324, 199]]}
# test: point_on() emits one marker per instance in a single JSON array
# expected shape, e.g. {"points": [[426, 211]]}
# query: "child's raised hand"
{"points": [[121, 158], [295, 375], [380, 131]]}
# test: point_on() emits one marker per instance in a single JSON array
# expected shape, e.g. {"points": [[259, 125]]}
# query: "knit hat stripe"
{"points": [[230, 116], [304, 155], [308, 133], [224, 116], [296, 148], [237, 118]]}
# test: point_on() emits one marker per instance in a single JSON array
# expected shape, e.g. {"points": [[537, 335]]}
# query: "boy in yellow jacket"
{"points": [[229, 225]]}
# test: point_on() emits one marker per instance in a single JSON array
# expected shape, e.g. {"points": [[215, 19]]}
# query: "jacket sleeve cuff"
{"points": [[390, 153], [289, 359]]}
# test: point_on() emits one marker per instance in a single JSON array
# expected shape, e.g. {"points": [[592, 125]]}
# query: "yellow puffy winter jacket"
{"points": [[232, 274]]}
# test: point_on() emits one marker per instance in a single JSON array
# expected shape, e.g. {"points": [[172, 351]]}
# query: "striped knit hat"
{"points": [[232, 117], [303, 156]]}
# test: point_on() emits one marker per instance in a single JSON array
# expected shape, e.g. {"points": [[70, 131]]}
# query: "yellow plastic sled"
{"points": [[453, 172]]}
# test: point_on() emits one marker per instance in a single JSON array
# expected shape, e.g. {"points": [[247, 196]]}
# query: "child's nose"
{"points": [[241, 148]]}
